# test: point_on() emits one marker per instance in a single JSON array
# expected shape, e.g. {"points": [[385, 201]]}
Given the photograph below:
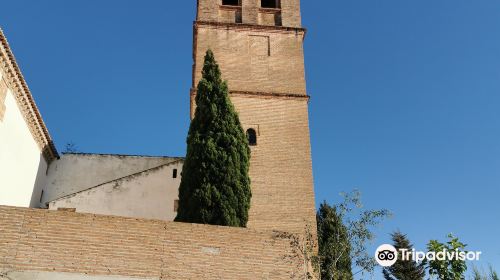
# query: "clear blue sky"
{"points": [[405, 97]]}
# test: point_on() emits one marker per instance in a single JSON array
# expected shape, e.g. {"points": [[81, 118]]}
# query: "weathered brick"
{"points": [[264, 67], [42, 240]]}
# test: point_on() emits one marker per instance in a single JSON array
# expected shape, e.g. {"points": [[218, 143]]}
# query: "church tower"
{"points": [[258, 45]]}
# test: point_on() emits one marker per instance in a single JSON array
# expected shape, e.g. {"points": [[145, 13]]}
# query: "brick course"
{"points": [[42, 240]]}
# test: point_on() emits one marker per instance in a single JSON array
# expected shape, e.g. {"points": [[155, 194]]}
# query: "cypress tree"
{"points": [[334, 244], [407, 269], [215, 186]]}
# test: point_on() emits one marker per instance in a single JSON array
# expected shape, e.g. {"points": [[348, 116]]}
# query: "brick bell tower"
{"points": [[259, 47]]}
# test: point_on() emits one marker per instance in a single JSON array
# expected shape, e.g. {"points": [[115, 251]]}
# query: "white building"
{"points": [[32, 174], [26, 148], [131, 186]]}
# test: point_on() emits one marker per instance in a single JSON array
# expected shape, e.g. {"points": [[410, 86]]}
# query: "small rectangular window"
{"points": [[174, 173], [231, 2], [41, 197], [176, 205], [273, 4], [252, 137]]}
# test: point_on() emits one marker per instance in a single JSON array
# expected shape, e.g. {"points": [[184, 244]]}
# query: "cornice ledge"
{"points": [[265, 94], [250, 26], [25, 101]]}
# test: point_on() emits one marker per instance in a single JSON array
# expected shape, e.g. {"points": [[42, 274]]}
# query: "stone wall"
{"points": [[35, 240]]}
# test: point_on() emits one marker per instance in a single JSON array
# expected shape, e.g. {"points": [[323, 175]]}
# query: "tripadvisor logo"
{"points": [[387, 255]]}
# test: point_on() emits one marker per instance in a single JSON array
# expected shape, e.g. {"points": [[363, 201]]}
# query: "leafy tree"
{"points": [[481, 275], [478, 275], [215, 186], [448, 269], [493, 274], [332, 234], [404, 269], [357, 224]]}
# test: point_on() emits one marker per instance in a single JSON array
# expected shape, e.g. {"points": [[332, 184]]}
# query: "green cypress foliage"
{"points": [[215, 186], [407, 269], [334, 244]]}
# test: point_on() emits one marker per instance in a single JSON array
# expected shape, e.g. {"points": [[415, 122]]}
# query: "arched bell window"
{"points": [[252, 137]]}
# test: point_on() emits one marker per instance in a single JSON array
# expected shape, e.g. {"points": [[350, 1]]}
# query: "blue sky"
{"points": [[405, 97]]}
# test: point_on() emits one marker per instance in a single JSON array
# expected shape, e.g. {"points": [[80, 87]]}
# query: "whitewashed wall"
{"points": [[149, 194], [20, 159], [73, 173]]}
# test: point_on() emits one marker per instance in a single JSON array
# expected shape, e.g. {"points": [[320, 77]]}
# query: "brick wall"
{"points": [[280, 166], [208, 10], [253, 59], [252, 13], [290, 10], [270, 17], [41, 240], [264, 67]]}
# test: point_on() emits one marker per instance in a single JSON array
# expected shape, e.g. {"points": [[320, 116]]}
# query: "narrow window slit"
{"points": [[252, 137]]}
